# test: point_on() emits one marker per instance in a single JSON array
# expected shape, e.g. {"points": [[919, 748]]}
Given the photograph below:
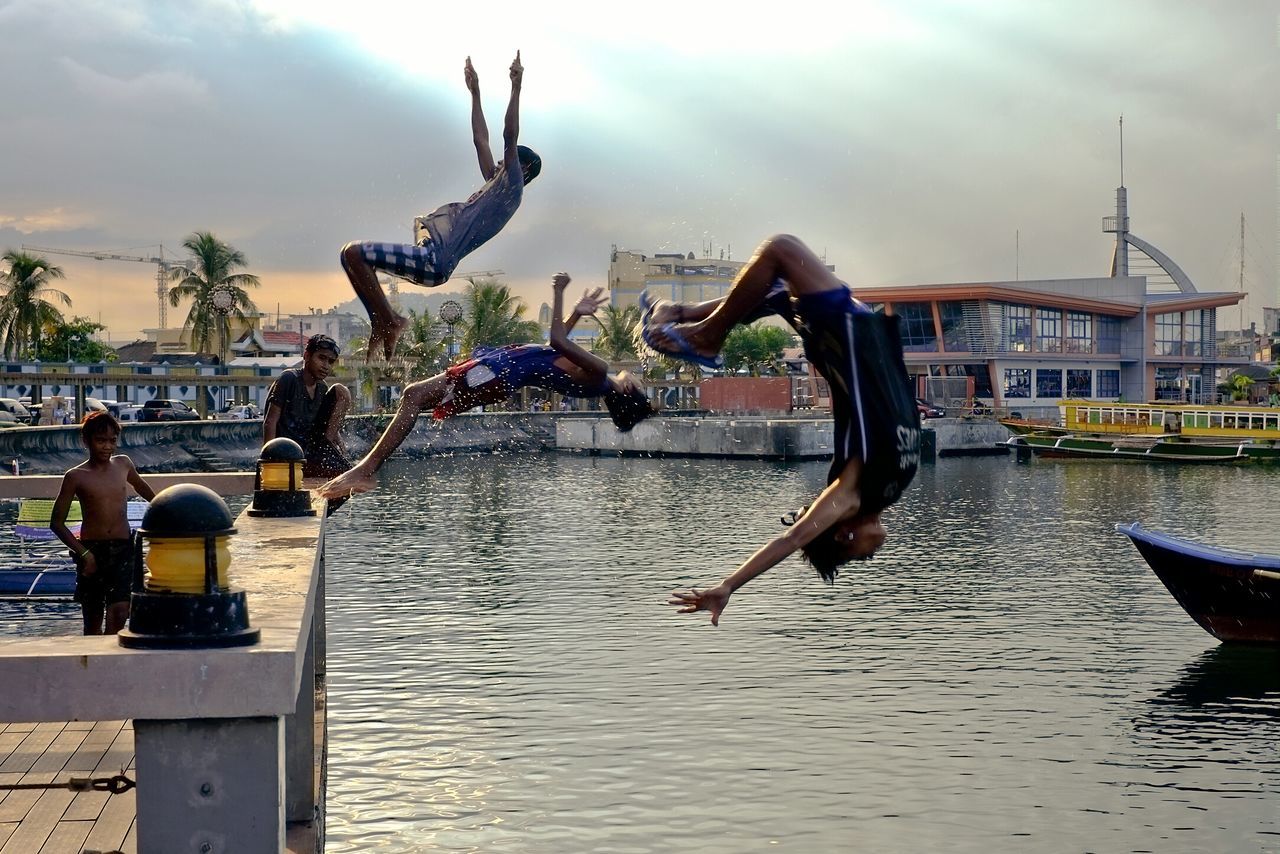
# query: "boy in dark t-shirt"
{"points": [[859, 353], [443, 237]]}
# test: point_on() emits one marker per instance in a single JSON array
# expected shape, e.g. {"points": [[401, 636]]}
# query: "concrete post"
{"points": [[211, 786], [300, 729]]}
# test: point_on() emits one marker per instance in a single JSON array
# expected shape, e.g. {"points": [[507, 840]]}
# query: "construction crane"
{"points": [[163, 266], [477, 274]]}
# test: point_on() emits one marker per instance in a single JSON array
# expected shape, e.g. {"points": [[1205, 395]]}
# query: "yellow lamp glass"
{"points": [[275, 475], [176, 565]]}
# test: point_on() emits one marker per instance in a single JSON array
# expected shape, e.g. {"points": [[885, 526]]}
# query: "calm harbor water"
{"points": [[1006, 675]]}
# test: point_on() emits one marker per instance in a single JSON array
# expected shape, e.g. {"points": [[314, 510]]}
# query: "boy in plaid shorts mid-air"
{"points": [[445, 236]]}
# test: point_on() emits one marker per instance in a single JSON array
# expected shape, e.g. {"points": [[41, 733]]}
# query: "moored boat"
{"points": [[1233, 595], [1151, 449], [38, 582]]}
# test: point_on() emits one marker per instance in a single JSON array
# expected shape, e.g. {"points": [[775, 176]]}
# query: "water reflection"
{"points": [[504, 676], [1228, 693]]}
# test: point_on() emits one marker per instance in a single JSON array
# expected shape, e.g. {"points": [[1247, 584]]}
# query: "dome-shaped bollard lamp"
{"points": [[277, 481], [186, 601]]}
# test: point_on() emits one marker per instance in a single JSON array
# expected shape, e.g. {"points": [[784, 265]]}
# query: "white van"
{"points": [[129, 412]]}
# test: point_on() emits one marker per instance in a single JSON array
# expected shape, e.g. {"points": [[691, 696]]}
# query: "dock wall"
{"points": [[189, 446]]}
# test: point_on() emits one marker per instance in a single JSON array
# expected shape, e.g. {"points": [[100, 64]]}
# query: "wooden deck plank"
{"points": [[89, 805], [61, 749], [30, 748], [6, 779], [114, 824], [39, 821], [130, 845], [6, 830], [19, 803], [67, 838], [18, 727]]}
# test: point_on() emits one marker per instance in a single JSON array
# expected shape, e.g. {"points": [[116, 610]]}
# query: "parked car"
{"points": [[164, 409], [239, 412], [128, 412], [8, 419], [15, 408], [928, 410]]}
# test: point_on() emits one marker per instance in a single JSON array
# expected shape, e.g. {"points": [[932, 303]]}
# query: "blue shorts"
{"points": [[415, 262]]}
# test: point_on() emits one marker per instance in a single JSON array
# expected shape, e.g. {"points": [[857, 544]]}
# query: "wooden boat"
{"points": [[38, 582], [1233, 595], [1150, 449]]}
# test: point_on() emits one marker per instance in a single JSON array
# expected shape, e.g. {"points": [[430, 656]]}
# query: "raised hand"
{"points": [[471, 78], [560, 281], [517, 70], [590, 302]]}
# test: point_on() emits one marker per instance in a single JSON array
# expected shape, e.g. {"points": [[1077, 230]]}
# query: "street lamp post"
{"points": [[450, 315]]}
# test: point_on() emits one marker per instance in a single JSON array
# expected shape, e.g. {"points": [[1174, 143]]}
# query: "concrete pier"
{"points": [[749, 437]]}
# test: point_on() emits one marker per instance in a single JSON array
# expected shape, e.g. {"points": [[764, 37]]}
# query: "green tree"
{"points": [[755, 347], [25, 309], [422, 345], [617, 332], [76, 341], [216, 291], [494, 317], [1240, 385]]}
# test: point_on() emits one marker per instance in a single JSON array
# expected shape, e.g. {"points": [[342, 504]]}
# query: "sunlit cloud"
{"points": [[53, 219]]}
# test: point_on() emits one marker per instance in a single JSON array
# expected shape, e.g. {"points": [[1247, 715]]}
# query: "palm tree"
{"points": [[216, 292], [617, 332], [24, 309], [422, 345], [495, 317]]}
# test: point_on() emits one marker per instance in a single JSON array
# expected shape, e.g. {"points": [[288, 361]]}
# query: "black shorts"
{"points": [[323, 458], [112, 582]]}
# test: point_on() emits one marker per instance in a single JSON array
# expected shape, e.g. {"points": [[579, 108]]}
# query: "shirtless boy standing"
{"points": [[104, 550]]}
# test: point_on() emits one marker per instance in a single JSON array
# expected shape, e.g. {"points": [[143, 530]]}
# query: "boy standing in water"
{"points": [[443, 237], [104, 550], [877, 424]]}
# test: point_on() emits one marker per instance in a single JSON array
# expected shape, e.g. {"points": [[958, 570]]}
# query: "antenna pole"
{"points": [[1122, 149]]}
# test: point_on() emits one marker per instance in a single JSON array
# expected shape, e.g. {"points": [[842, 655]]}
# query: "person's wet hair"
{"points": [[97, 422], [627, 408], [824, 553], [530, 162]]}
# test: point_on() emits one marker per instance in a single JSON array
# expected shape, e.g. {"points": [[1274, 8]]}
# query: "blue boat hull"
{"points": [[48, 583], [1233, 595]]}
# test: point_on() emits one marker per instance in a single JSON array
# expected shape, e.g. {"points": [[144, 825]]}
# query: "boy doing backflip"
{"points": [[104, 550], [443, 237], [877, 426], [492, 375]]}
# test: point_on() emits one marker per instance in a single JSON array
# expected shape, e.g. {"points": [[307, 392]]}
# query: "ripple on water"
{"points": [[1007, 674]]}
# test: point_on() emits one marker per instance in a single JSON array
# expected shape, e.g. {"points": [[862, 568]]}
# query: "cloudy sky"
{"points": [[920, 141]]}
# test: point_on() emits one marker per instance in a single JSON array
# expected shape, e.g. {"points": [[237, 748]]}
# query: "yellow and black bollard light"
{"points": [[185, 599], [277, 481]]}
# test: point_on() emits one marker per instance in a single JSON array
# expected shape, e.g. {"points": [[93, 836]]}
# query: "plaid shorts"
{"points": [[417, 263]]}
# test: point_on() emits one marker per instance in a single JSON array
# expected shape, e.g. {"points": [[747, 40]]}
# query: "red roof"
{"points": [[286, 339]]}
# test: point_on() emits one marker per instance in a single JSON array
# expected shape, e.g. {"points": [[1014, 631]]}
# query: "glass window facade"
{"points": [[1017, 330], [954, 339], [1017, 382], [1079, 332], [1168, 383], [1049, 330], [1191, 336], [1108, 334], [1079, 382], [918, 335], [1108, 382], [1049, 382], [1168, 341]]}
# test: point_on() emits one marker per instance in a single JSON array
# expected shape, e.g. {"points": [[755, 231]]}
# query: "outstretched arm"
{"points": [[511, 129], [590, 302], [840, 499], [479, 129], [560, 333]]}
